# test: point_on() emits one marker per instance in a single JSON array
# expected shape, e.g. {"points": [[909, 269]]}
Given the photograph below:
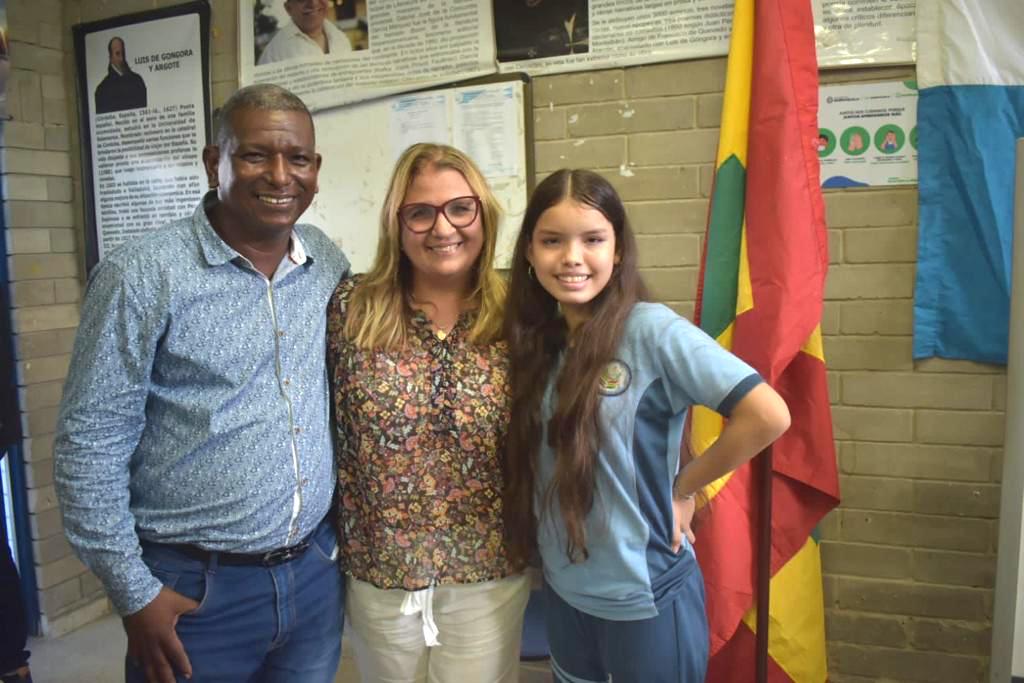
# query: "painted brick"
{"points": [[28, 187], [905, 666], [53, 87], [709, 110], [877, 493], [830, 527], [40, 60], [51, 549], [224, 66], [25, 98], [42, 266], [835, 384], [917, 461], [999, 392], [41, 499], [871, 209], [668, 250], [835, 246], [865, 629], [38, 448], [78, 618], [37, 162], [58, 139], [221, 92], [62, 240], [880, 245], [592, 86], [40, 395], [44, 369], [883, 316], [673, 217], [676, 147], [671, 284], [916, 390], [549, 124], [901, 597], [51, 36], [877, 424], [859, 559], [682, 308], [32, 293], [39, 473], [28, 241], [631, 116], [224, 26], [67, 290], [54, 599], [55, 112], [40, 214], [957, 499], [41, 344], [950, 636], [868, 353], [45, 524], [58, 189], [90, 584], [608, 152], [962, 569], [707, 177], [919, 531], [23, 134], [676, 78], [878, 281], [959, 427], [56, 572], [655, 183], [943, 365], [40, 318], [830, 322], [40, 421]]}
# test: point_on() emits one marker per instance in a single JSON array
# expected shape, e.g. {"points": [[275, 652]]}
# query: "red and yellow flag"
{"points": [[760, 294]]}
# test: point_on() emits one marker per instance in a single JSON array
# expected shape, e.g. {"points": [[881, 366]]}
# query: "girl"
{"points": [[601, 383], [419, 390]]}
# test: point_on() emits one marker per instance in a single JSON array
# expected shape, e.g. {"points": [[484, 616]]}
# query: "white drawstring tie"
{"points": [[423, 601]]}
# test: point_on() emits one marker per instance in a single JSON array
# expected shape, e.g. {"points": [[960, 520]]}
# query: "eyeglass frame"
{"points": [[438, 210]]}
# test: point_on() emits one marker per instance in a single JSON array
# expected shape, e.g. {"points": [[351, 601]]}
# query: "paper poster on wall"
{"points": [[551, 36], [334, 52], [144, 88], [867, 134], [863, 32]]}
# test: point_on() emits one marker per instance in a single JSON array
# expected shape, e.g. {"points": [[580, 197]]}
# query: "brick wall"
{"points": [[908, 557]]}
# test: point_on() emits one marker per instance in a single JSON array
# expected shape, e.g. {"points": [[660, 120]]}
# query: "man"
{"points": [[308, 35], [122, 88], [193, 457]]}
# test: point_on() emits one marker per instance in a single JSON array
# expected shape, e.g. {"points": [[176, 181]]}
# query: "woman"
{"points": [[419, 376], [602, 382]]}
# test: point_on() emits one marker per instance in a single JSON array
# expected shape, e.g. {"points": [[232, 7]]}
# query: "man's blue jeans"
{"points": [[279, 624]]}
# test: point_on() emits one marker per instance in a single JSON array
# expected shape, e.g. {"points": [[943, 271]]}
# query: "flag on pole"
{"points": [[760, 295], [970, 75]]}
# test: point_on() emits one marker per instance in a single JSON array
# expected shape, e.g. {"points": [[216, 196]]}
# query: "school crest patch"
{"points": [[615, 379]]}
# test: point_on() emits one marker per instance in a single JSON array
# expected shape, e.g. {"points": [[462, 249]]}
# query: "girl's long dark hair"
{"points": [[536, 334]]}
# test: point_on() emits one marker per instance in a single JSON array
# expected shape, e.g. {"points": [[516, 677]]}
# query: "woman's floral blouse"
{"points": [[417, 436]]}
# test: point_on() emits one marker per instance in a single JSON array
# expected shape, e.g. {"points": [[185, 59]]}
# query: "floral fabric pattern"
{"points": [[417, 439]]}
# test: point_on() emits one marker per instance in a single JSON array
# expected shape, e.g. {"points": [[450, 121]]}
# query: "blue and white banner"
{"points": [[970, 67]]}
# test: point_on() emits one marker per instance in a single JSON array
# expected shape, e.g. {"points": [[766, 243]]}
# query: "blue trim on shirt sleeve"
{"points": [[738, 392]]}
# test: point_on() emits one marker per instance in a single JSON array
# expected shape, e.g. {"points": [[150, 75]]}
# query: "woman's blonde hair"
{"points": [[379, 308]]}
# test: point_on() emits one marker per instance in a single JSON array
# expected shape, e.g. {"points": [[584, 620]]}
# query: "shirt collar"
{"points": [[218, 252]]}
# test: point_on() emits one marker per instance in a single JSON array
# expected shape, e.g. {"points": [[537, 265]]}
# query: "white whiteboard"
{"points": [[360, 144]]}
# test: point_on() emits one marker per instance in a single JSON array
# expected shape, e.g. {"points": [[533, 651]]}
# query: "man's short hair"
{"points": [[110, 44], [262, 97]]}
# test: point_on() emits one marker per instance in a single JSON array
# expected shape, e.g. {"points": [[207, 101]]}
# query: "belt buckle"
{"points": [[282, 555]]}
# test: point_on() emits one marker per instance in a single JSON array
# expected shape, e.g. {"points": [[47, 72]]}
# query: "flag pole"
{"points": [[764, 563]]}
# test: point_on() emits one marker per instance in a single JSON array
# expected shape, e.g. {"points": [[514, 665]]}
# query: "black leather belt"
{"points": [[267, 559]]}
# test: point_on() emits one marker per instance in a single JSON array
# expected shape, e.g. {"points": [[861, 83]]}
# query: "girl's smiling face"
{"points": [[573, 254]]}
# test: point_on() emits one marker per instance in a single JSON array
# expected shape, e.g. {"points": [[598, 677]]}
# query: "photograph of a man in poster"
{"points": [[301, 29], [532, 29], [122, 88]]}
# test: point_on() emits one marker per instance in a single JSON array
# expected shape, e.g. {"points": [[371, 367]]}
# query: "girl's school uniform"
{"points": [[664, 365]]}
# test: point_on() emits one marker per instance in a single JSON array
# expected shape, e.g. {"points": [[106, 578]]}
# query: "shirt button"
{"points": [[287, 381], [280, 333], [304, 482], [298, 429]]}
